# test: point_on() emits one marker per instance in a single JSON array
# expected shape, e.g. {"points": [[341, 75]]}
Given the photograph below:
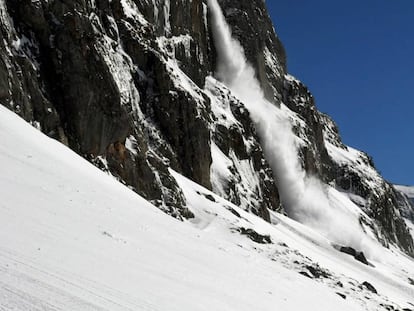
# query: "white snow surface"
{"points": [[73, 238]]}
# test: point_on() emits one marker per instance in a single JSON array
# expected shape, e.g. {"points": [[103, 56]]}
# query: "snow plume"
{"points": [[304, 197]]}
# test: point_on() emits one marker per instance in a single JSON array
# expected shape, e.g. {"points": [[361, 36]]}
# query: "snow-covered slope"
{"points": [[73, 238]]}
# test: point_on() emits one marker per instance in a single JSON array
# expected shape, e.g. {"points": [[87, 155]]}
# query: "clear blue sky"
{"points": [[357, 58]]}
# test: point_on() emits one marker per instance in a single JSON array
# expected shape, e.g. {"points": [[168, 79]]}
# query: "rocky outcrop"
{"points": [[405, 198], [252, 26], [239, 171]]}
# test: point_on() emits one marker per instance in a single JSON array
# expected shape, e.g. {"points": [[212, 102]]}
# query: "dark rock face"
{"points": [[315, 272], [384, 208], [343, 296], [318, 272], [20, 84], [128, 85], [315, 158], [254, 236], [405, 202], [369, 287], [251, 24], [357, 255]]}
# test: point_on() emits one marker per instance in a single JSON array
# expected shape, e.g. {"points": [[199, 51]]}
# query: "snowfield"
{"points": [[73, 238]]}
